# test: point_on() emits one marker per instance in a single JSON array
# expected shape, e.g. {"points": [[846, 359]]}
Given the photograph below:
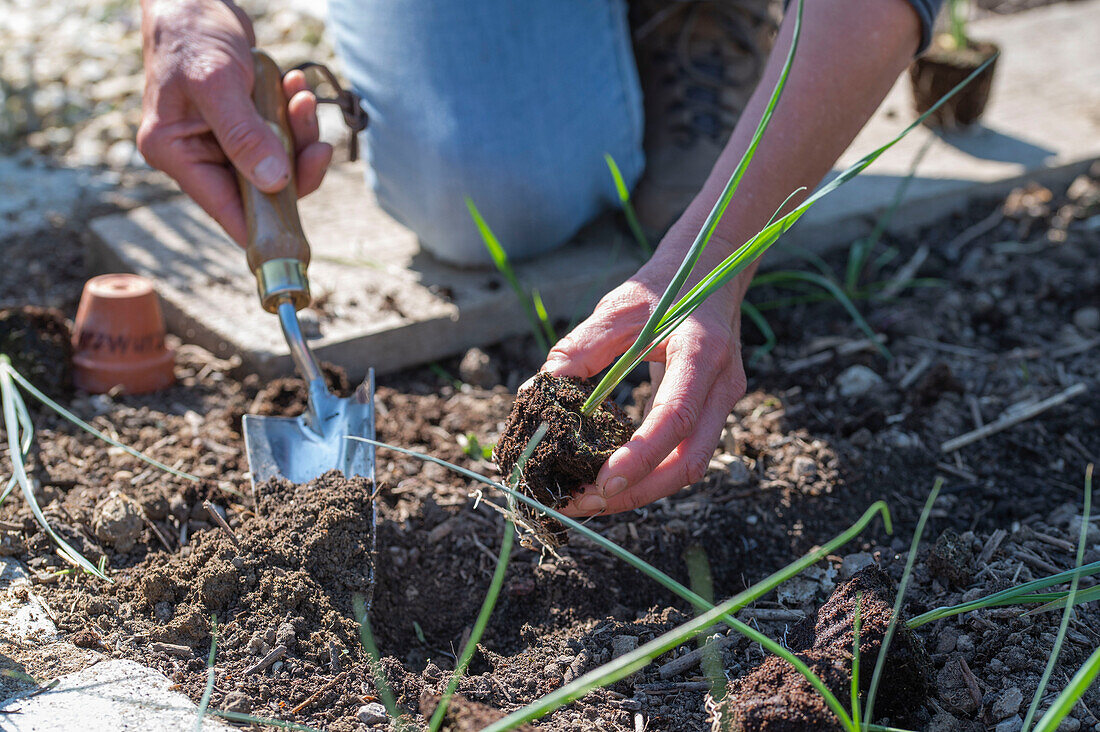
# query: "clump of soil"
{"points": [[39, 343], [463, 715], [574, 449], [289, 396], [952, 559], [775, 697]]}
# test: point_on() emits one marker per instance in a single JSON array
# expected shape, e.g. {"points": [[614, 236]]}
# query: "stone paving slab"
{"points": [[111, 695], [388, 306]]}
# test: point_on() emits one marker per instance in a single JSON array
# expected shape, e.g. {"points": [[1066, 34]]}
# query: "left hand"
{"points": [[697, 377]]}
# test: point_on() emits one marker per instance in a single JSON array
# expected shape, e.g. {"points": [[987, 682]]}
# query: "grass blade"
{"points": [[544, 317], [880, 662], [366, 637], [500, 259], [765, 329], [209, 690], [1064, 626], [833, 289], [5, 366], [491, 595], [855, 663], [479, 625], [628, 207], [1017, 595]]}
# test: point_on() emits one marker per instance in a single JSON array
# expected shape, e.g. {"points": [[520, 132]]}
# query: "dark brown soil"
{"points": [[797, 462], [939, 70], [572, 452], [463, 715], [825, 641], [39, 343], [289, 396]]}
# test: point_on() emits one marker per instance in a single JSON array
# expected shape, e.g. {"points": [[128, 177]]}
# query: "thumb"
{"points": [[248, 141]]}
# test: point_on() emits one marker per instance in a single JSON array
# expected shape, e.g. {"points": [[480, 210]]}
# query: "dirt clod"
{"points": [[117, 522], [775, 697], [575, 447], [952, 558]]}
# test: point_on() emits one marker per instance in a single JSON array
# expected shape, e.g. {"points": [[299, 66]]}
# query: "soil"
{"points": [[571, 453], [39, 343], [825, 641], [1013, 319]]}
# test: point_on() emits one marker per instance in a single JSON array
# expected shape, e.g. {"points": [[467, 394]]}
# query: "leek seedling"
{"points": [[670, 312], [541, 326], [628, 208]]}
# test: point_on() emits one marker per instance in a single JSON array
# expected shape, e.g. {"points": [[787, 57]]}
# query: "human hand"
{"points": [[697, 377], [198, 122]]}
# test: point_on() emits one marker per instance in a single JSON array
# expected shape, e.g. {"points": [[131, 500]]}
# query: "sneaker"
{"points": [[699, 62]]}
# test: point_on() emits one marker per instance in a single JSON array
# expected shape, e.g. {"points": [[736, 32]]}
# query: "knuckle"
{"points": [[694, 467], [150, 141], [681, 415], [240, 138]]}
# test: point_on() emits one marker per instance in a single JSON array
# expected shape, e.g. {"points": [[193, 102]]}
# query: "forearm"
{"points": [[849, 55]]}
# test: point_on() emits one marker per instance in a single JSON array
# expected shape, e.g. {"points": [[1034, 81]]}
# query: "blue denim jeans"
{"points": [[511, 103]]}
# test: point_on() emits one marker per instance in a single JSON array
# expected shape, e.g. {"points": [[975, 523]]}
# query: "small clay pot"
{"points": [[118, 337], [940, 70]]}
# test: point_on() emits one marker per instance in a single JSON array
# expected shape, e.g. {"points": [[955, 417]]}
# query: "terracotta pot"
{"points": [[119, 337], [939, 71]]}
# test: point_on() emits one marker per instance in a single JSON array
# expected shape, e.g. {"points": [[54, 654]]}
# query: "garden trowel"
{"points": [[300, 448]]}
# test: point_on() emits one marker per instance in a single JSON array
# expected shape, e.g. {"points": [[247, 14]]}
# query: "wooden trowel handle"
{"points": [[278, 252]]}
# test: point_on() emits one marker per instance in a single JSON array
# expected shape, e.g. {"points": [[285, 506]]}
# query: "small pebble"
{"points": [[804, 466], [623, 644], [1008, 703], [852, 563], [372, 713], [856, 381], [1012, 724], [1087, 318]]}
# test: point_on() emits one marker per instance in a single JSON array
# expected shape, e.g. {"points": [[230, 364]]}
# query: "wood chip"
{"points": [[691, 659], [1013, 416], [172, 649], [991, 545], [277, 654]]}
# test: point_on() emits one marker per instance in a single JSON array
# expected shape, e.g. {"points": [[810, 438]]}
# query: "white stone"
{"points": [[372, 713], [852, 563], [856, 381]]}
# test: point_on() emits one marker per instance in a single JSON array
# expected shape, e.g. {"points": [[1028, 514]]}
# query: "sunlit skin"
{"points": [[197, 119]]}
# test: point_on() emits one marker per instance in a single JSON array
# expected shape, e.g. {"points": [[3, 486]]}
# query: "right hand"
{"points": [[198, 121]]}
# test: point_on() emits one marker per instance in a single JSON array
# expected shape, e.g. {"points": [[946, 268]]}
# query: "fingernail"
{"points": [[592, 503], [271, 171], [554, 364], [526, 385], [615, 486]]}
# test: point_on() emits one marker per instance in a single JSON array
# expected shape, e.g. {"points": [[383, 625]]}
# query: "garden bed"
{"points": [[829, 426]]}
